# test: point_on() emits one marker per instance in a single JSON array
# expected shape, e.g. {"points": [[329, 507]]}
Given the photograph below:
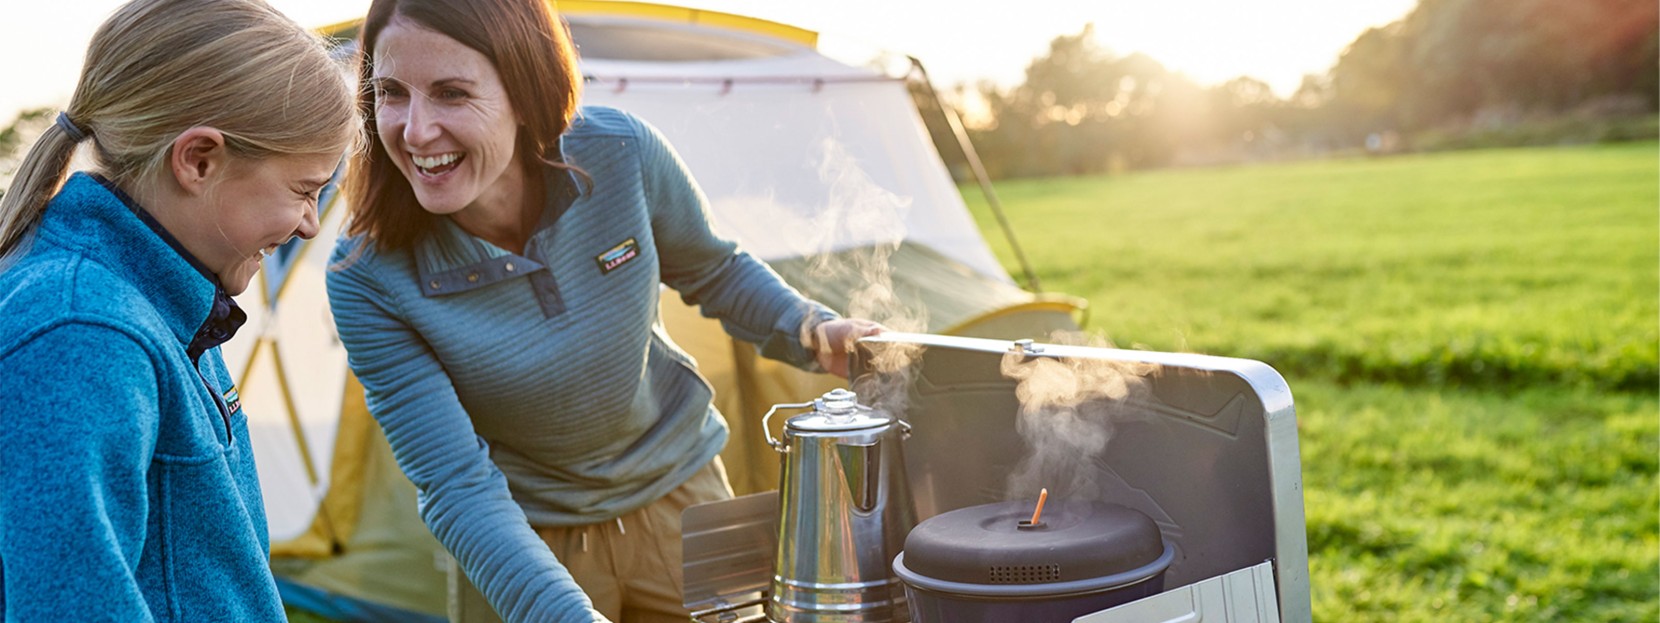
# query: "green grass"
{"points": [[1472, 339], [1502, 268], [1447, 505]]}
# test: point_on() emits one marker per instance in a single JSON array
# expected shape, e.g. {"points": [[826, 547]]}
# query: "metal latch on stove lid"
{"points": [[1026, 347]]}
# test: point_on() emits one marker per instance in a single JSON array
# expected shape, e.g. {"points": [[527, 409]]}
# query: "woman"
{"points": [[497, 295], [127, 484]]}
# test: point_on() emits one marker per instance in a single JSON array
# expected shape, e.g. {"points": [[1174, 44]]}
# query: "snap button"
{"points": [[434, 284], [473, 277], [509, 267]]}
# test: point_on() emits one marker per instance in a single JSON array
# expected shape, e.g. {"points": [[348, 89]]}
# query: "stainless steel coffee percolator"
{"points": [[843, 515]]}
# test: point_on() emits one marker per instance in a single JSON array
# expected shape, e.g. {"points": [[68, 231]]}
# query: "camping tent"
{"points": [[822, 168]]}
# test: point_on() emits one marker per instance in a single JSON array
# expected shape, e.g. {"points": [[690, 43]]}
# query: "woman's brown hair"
{"points": [[531, 50]]}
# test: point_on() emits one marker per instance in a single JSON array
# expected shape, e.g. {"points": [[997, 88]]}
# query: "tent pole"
{"points": [[980, 176]]}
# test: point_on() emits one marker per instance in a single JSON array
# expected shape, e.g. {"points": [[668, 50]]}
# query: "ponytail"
{"points": [[38, 178]]}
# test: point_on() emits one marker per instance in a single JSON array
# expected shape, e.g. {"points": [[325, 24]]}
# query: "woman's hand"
{"points": [[831, 340]]}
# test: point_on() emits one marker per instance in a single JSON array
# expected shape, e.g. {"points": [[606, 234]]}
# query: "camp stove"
{"points": [[1207, 451]]}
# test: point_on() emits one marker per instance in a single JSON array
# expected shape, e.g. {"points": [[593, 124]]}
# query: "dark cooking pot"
{"points": [[987, 564]]}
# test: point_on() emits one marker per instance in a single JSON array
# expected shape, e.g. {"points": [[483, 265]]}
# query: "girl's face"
{"points": [[444, 119], [260, 205]]}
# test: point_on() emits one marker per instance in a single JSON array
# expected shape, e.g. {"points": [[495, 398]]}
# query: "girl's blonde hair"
{"points": [[159, 67]]}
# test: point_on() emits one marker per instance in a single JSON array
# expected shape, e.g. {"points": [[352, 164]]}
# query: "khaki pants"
{"points": [[629, 567]]}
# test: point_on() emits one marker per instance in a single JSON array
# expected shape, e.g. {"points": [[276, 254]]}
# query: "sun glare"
{"points": [[1277, 41]]}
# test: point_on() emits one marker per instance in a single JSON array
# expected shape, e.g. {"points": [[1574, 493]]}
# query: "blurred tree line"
{"points": [[1451, 74]]}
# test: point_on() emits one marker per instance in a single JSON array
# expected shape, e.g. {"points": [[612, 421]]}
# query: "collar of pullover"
{"points": [[107, 225], [451, 261]]}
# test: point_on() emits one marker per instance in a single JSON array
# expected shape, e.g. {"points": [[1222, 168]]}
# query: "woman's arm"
{"points": [[78, 411], [464, 498]]}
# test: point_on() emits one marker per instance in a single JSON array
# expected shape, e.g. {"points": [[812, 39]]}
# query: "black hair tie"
{"points": [[75, 132]]}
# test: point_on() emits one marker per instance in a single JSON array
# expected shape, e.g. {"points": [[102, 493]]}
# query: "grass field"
{"points": [[1473, 340]]}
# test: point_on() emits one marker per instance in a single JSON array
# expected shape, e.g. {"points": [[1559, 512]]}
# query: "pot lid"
{"points": [[1072, 541], [838, 410]]}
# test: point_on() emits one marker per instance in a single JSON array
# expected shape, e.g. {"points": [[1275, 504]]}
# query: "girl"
{"points": [[127, 484]]}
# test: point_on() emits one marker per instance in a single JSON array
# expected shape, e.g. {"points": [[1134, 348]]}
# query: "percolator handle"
{"points": [[767, 429]]}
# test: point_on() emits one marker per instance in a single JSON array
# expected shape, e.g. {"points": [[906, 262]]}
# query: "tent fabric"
{"points": [[834, 154], [819, 167], [728, 25], [389, 558], [342, 608], [844, 166]]}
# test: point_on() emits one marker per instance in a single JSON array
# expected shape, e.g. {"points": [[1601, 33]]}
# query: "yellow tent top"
{"points": [[662, 12]]}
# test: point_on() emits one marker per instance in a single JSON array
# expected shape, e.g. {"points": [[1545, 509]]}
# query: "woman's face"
{"points": [[444, 119], [260, 205]]}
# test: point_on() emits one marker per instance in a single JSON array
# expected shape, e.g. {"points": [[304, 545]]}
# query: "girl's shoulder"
{"points": [[65, 293]]}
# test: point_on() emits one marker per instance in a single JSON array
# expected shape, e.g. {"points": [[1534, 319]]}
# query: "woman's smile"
{"points": [[436, 166]]}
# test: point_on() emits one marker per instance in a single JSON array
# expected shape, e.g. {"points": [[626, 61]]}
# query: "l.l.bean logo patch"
{"points": [[614, 258], [233, 401]]}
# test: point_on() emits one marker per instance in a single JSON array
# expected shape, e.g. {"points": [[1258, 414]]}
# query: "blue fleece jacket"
{"points": [[127, 484], [540, 388]]}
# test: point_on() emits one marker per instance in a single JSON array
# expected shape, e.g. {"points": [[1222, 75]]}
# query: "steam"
{"points": [[1068, 410], [1068, 406], [885, 386], [860, 209]]}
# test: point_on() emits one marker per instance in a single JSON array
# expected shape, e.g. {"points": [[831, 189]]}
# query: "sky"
{"points": [[1277, 41]]}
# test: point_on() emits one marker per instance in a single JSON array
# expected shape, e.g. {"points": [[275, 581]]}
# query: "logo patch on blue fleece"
{"points": [[233, 401], [617, 256]]}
